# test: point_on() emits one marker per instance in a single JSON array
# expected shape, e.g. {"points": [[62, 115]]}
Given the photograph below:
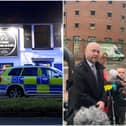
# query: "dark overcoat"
{"points": [[86, 91]]}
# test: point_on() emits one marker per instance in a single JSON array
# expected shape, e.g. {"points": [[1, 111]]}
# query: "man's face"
{"points": [[121, 72], [92, 53]]}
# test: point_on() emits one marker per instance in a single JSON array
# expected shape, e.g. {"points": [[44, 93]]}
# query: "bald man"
{"points": [[88, 88]]}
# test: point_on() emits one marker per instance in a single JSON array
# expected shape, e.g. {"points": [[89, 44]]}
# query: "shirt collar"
{"points": [[89, 63]]}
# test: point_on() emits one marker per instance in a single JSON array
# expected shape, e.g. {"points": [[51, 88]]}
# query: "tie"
{"points": [[94, 71]]}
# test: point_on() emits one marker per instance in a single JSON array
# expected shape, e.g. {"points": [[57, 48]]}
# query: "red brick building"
{"points": [[101, 21]]}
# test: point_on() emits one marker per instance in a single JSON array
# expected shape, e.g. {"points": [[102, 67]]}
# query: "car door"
{"points": [[13, 76], [29, 79], [55, 81], [43, 81]]}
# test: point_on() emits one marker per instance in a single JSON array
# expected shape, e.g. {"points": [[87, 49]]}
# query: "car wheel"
{"points": [[15, 91]]}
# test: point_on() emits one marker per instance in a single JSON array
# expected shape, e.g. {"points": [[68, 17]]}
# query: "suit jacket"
{"points": [[85, 90]]}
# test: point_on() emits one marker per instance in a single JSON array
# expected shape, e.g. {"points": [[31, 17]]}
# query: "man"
{"points": [[119, 109], [122, 74], [88, 86]]}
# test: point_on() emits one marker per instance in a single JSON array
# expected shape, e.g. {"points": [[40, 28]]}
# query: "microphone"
{"points": [[109, 87], [114, 74]]}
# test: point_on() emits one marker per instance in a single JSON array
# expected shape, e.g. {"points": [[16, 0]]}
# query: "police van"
{"points": [[31, 80], [112, 50]]}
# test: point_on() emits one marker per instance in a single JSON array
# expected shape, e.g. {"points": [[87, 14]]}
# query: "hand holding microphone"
{"points": [[112, 85]]}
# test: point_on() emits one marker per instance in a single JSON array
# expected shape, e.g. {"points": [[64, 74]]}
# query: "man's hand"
{"points": [[100, 105]]}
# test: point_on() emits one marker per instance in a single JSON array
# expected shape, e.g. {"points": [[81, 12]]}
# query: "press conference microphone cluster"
{"points": [[115, 80], [114, 75]]}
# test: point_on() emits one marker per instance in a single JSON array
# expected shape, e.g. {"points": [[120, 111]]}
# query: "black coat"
{"points": [[85, 90]]}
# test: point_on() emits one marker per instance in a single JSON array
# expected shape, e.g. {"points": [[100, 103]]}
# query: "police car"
{"points": [[31, 80]]}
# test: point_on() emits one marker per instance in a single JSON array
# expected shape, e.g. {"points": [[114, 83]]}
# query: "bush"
{"points": [[42, 105]]}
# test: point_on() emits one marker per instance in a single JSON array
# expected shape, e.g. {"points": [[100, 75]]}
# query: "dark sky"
{"points": [[30, 11]]}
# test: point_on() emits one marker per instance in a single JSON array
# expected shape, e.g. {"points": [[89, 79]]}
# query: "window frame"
{"points": [[92, 12], [77, 12], [108, 27], [76, 25], [92, 26]]}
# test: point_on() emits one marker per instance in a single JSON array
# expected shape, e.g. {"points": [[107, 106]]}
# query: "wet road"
{"points": [[30, 121]]}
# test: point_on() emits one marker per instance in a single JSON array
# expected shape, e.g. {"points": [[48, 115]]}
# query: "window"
{"points": [[92, 12], [77, 12], [120, 40], [93, 0], [110, 2], [122, 17], [76, 40], [64, 25], [30, 72], [44, 72], [122, 29], [77, 1], [15, 72], [64, 13], [92, 25], [109, 14], [27, 36], [108, 39], [42, 36], [76, 25], [109, 27], [91, 38], [50, 73], [123, 5]]}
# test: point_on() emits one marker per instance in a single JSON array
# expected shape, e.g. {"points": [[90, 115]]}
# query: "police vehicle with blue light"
{"points": [[31, 80]]}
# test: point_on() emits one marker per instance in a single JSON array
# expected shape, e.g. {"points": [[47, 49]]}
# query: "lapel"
{"points": [[95, 88]]}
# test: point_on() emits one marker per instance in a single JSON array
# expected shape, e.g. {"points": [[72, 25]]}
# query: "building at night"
{"points": [[101, 21], [30, 33]]}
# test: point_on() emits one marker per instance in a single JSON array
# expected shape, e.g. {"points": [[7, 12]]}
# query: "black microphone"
{"points": [[118, 77]]}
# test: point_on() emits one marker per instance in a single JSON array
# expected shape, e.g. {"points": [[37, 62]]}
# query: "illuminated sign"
{"points": [[8, 42]]}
